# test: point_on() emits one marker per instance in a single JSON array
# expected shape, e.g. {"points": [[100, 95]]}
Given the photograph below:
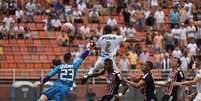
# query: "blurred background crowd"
{"points": [[163, 28]]}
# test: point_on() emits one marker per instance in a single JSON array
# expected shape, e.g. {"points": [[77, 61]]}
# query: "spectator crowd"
{"points": [[172, 29], [164, 29]]}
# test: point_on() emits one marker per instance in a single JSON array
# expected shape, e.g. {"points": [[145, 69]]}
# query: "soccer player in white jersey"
{"points": [[108, 44], [196, 80]]}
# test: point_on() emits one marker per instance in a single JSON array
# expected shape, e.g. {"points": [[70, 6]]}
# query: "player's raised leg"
{"points": [[97, 67]]}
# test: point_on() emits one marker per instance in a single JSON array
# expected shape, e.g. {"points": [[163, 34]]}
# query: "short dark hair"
{"points": [[107, 29], [150, 64], [67, 57], [108, 60]]}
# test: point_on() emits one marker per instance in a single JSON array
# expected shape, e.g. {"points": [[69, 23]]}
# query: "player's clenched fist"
{"points": [[91, 45]]}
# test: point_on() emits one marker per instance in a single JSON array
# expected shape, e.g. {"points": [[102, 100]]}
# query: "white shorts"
{"points": [[198, 97], [99, 65]]}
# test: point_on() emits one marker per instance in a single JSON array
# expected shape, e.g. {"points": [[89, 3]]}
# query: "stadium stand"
{"points": [[29, 57]]}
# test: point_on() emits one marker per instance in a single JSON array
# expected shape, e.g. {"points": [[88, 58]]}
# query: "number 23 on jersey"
{"points": [[67, 74]]}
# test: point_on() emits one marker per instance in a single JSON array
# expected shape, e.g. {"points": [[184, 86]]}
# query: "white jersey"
{"points": [[198, 84], [109, 44]]}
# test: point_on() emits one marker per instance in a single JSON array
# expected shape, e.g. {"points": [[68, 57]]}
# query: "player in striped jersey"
{"points": [[147, 82], [113, 81], [196, 81], [170, 90]]}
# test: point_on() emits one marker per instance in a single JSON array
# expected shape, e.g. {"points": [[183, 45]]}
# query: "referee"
{"points": [[147, 82]]}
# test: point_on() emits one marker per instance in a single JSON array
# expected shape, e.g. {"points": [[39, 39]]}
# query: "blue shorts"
{"points": [[56, 93]]}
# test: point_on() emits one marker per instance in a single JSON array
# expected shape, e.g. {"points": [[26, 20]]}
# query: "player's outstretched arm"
{"points": [[188, 83], [50, 74], [96, 74], [162, 83], [91, 45], [136, 85], [86, 77], [82, 57]]}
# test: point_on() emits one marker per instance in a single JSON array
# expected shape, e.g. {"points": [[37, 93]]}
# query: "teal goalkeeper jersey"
{"points": [[67, 72]]}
